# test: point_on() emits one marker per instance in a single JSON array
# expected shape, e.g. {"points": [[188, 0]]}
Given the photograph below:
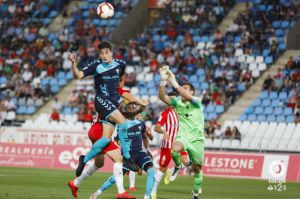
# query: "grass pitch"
{"points": [[20, 183]]}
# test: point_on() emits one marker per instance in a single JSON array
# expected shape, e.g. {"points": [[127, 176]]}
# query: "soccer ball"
{"points": [[105, 10]]}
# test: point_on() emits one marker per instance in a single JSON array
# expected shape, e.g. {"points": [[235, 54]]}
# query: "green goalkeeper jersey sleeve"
{"points": [[191, 118]]}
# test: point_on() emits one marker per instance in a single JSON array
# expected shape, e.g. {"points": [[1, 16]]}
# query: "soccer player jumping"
{"points": [[190, 137]]}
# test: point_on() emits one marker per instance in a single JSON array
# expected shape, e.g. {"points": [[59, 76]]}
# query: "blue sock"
{"points": [[108, 183], [97, 147], [150, 180], [122, 133]]}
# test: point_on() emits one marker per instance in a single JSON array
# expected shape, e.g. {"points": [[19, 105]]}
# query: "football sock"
{"points": [[150, 181], [88, 171], [198, 178], [158, 177], [118, 174], [131, 178], [97, 147]]}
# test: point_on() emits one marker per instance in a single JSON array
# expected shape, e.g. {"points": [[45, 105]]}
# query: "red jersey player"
{"points": [[169, 120]]}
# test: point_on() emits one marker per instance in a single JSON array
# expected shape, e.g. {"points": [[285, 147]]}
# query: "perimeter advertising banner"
{"points": [[226, 164]]}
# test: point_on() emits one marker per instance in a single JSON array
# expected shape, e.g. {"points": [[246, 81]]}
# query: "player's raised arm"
{"points": [[78, 74], [162, 86], [181, 91]]}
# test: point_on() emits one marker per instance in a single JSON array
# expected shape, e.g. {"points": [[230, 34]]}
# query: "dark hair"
{"points": [[172, 93], [190, 85], [105, 44]]}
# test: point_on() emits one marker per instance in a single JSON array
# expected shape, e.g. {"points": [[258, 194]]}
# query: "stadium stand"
{"points": [[30, 60], [259, 136], [279, 99]]}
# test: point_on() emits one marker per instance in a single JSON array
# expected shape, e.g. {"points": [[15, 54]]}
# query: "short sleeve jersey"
{"points": [[106, 77]]}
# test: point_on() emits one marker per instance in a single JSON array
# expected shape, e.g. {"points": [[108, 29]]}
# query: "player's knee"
{"points": [[177, 147], [197, 168], [98, 163]]}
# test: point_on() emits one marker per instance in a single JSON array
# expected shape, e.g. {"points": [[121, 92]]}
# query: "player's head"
{"points": [[172, 94], [105, 51], [131, 109], [189, 88]]}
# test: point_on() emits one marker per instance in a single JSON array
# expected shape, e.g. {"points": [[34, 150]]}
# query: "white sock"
{"points": [[98, 193], [158, 177], [118, 173], [146, 197], [131, 178], [87, 172]]}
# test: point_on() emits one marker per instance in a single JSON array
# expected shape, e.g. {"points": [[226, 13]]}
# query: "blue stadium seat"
{"points": [[249, 110], [62, 82], [275, 103], [193, 78], [204, 39], [54, 88], [276, 24], [75, 110], [204, 86], [259, 110], [280, 118], [196, 38], [285, 24], [279, 33], [256, 102], [271, 118], [290, 118], [241, 87], [288, 111], [152, 91], [69, 75], [30, 110], [268, 110], [67, 110], [269, 60], [212, 116], [266, 102], [282, 47], [252, 117], [278, 111], [273, 95], [261, 118], [200, 72], [282, 96], [21, 110], [210, 108], [264, 95], [266, 52], [243, 117], [219, 109]]}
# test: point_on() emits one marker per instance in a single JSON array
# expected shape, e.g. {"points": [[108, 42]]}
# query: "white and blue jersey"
{"points": [[136, 132], [106, 77], [107, 80]]}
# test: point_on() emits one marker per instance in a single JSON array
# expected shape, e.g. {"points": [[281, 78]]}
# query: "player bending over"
{"points": [[168, 125], [190, 137], [108, 76], [137, 137]]}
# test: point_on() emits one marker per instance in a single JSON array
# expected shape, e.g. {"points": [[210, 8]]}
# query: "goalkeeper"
{"points": [[190, 137]]}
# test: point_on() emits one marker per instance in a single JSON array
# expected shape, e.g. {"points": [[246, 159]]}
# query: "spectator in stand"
{"points": [[56, 104], [54, 115], [236, 133], [297, 117], [218, 132], [268, 84], [73, 98], [228, 133]]}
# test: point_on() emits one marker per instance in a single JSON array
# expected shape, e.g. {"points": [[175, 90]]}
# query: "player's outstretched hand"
{"points": [[163, 72], [72, 57], [172, 79]]}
